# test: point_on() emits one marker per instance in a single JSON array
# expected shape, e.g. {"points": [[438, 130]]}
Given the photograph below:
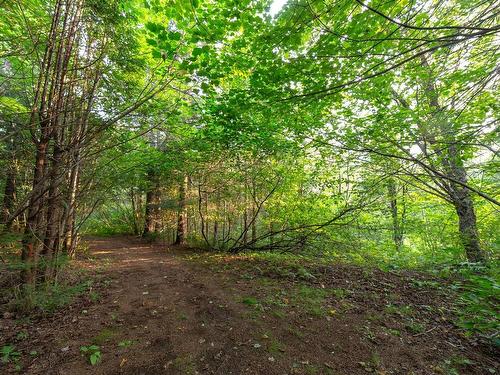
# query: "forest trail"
{"points": [[160, 312], [170, 314]]}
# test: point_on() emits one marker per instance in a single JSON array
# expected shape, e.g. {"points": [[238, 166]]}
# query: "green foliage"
{"points": [[9, 354], [250, 301], [108, 222], [185, 364], [104, 336], [92, 352], [125, 343], [49, 297], [452, 366], [22, 335], [478, 306], [402, 311], [352, 137]]}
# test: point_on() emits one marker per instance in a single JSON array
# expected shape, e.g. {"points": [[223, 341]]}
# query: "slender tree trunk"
{"points": [[148, 215], [397, 230], [245, 226], [9, 197], [69, 216], [207, 217], [180, 238], [158, 222], [254, 223], [152, 205], [215, 233], [48, 115], [224, 219], [32, 232], [53, 219], [136, 210]]}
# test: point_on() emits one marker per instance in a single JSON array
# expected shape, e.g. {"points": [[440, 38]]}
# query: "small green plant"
{"points": [[310, 299], [22, 335], [368, 333], [478, 306], [278, 314], [94, 296], [182, 316], [404, 310], [391, 331], [451, 366], [50, 298], [250, 301], [296, 332], [311, 369], [185, 364], [372, 364], [125, 343], [414, 327], [104, 335], [425, 284], [275, 347], [9, 354], [93, 352], [339, 292], [304, 274]]}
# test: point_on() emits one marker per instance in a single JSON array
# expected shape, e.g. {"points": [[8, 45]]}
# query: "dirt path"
{"points": [[168, 316], [160, 314], [169, 313]]}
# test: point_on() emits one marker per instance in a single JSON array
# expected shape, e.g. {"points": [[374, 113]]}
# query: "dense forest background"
{"points": [[358, 131]]}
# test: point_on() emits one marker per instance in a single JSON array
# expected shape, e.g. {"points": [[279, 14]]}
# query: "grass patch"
{"points": [[404, 310], [296, 332], [279, 314], [185, 365], [275, 347], [415, 327], [47, 298], [250, 301], [478, 306], [104, 336], [310, 299], [182, 316], [126, 343]]}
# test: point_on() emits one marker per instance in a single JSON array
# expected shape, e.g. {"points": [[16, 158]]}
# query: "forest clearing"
{"points": [[249, 187]]}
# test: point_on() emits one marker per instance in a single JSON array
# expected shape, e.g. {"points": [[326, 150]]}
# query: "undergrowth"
{"points": [[48, 297], [475, 287]]}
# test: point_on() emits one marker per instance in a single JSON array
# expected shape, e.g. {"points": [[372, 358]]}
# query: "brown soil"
{"points": [[179, 312]]}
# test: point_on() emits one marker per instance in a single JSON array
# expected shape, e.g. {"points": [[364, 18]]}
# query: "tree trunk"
{"points": [[397, 230], [53, 219], [32, 232], [215, 233], [69, 216], [464, 207], [180, 238], [136, 210], [245, 226], [9, 197], [254, 222], [441, 132], [152, 205]]}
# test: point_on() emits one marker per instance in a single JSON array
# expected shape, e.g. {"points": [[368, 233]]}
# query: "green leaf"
{"points": [[95, 358]]}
